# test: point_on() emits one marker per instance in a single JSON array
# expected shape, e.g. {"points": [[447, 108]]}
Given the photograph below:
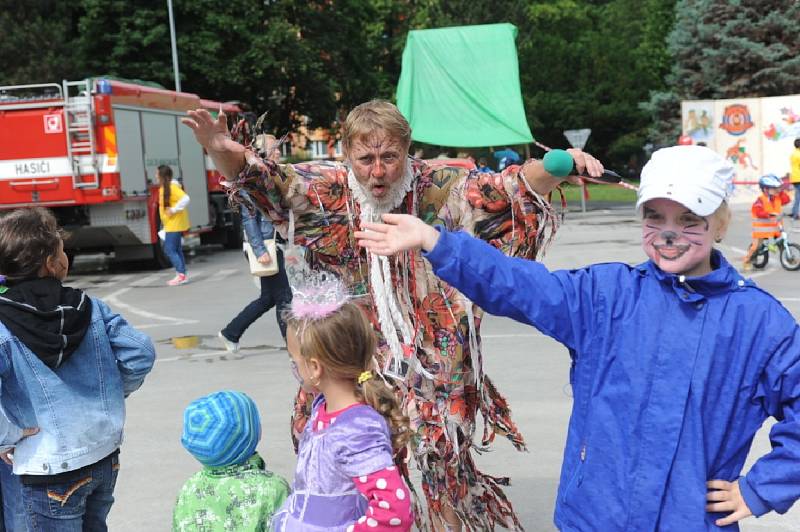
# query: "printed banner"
{"points": [[780, 125], [738, 137], [698, 121]]}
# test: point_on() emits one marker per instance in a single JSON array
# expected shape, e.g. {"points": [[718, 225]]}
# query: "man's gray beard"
{"points": [[380, 205]]}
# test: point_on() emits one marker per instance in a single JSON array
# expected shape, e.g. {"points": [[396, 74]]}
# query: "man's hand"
{"points": [[214, 136], [724, 496], [585, 164], [6, 456], [265, 258], [543, 183], [400, 232]]}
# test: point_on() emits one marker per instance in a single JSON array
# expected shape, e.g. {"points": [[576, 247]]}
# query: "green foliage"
{"points": [[590, 65], [35, 35], [583, 63], [727, 49]]}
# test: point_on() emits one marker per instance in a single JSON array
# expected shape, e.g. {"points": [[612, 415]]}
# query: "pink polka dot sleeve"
{"points": [[389, 502]]}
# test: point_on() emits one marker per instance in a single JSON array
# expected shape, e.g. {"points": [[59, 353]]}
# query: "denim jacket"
{"points": [[78, 407], [257, 228]]}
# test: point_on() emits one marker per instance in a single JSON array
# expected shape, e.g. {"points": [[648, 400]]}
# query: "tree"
{"points": [[589, 64], [37, 36], [727, 49]]}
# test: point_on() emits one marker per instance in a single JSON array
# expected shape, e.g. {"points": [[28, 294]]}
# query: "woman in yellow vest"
{"points": [[765, 214], [172, 203]]}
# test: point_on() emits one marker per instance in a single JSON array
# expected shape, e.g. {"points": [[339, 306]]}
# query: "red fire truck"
{"points": [[89, 149]]}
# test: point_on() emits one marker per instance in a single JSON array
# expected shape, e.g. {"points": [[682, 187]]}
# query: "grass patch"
{"points": [[608, 193]]}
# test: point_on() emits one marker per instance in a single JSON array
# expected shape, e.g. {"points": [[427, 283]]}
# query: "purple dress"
{"points": [[324, 497]]}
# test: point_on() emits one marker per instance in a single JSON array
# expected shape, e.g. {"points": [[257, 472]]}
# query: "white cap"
{"points": [[694, 176]]}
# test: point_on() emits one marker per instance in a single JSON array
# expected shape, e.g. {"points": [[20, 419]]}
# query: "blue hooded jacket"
{"points": [[671, 377]]}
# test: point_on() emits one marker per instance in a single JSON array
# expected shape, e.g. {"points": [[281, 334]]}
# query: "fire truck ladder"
{"points": [[81, 142]]}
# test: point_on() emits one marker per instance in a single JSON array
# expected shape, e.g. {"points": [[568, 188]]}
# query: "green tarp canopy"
{"points": [[459, 87]]}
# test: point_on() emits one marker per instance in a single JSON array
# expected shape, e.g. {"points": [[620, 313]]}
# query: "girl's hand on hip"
{"points": [[724, 496]]}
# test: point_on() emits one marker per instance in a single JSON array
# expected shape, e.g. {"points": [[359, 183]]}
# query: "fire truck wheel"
{"points": [[160, 259]]}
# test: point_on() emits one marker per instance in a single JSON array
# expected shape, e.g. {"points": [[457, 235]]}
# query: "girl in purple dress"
{"points": [[346, 477]]}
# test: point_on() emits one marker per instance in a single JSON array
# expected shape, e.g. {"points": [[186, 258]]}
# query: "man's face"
{"points": [[676, 239], [378, 162]]}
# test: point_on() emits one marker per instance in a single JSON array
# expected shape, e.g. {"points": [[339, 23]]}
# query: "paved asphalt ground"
{"points": [[530, 369]]}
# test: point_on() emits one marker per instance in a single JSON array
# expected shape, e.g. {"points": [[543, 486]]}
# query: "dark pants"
{"points": [[275, 292], [78, 505], [796, 204], [173, 249]]}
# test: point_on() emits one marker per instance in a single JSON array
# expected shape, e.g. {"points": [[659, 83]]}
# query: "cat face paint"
{"points": [[676, 239]]}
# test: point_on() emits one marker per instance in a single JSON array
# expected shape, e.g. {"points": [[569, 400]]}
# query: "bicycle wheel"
{"points": [[790, 257], [760, 258]]}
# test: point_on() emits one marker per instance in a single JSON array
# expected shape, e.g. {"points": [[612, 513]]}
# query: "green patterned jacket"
{"points": [[240, 498]]}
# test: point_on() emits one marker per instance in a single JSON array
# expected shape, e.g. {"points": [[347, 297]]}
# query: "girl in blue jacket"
{"points": [[677, 362], [67, 363]]}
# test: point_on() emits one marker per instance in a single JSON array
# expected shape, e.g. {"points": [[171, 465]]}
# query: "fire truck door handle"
{"points": [[33, 182]]}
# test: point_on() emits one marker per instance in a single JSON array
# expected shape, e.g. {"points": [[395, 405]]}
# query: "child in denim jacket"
{"points": [[67, 362]]}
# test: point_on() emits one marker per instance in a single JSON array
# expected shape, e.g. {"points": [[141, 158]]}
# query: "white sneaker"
{"points": [[230, 347]]}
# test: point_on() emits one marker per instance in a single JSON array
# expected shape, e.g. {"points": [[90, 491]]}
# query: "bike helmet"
{"points": [[770, 181]]}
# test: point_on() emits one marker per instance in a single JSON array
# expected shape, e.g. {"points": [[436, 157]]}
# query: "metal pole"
{"points": [[174, 47], [583, 197]]}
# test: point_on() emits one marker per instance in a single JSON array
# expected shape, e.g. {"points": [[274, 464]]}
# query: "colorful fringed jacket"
{"points": [[441, 380]]}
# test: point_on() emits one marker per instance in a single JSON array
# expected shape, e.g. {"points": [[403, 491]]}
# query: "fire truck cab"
{"points": [[89, 150]]}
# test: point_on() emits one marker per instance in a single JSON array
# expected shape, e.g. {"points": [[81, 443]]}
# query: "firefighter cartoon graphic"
{"points": [[737, 154]]}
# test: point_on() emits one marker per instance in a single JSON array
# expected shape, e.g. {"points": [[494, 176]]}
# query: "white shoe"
{"points": [[230, 347]]}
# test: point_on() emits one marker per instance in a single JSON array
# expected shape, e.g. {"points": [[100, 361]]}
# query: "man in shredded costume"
{"points": [[429, 342]]}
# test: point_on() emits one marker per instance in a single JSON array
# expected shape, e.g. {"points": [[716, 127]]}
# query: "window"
{"points": [[318, 149], [286, 149]]}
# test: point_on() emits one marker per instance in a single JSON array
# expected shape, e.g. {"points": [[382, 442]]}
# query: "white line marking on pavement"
{"points": [[520, 335], [147, 280], [763, 273], [112, 299], [789, 299], [740, 251], [222, 274], [194, 275], [208, 354]]}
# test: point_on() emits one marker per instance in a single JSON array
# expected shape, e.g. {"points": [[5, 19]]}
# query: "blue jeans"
{"points": [[11, 518], [78, 505], [796, 204], [174, 250], [275, 292]]}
